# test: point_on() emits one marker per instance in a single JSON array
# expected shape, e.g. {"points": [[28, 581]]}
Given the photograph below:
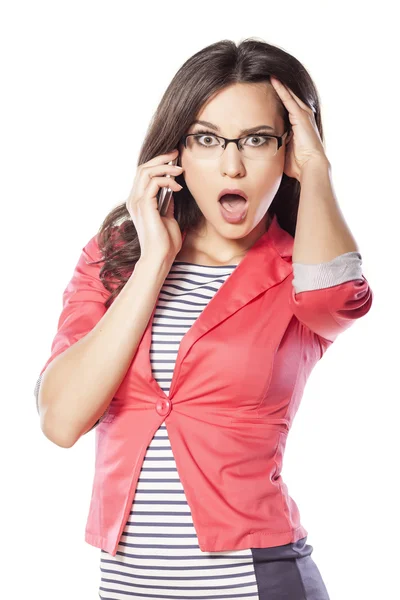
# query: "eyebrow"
{"points": [[244, 131]]}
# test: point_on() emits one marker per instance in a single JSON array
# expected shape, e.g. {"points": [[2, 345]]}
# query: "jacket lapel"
{"points": [[266, 264]]}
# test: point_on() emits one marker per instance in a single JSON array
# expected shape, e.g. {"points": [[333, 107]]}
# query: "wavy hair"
{"points": [[210, 70]]}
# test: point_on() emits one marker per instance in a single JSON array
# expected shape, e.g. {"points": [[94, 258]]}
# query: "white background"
{"points": [[80, 82]]}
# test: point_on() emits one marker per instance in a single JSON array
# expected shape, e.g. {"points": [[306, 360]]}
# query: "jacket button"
{"points": [[163, 406]]}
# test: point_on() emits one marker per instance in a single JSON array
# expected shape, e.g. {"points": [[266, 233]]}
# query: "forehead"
{"points": [[243, 105]]}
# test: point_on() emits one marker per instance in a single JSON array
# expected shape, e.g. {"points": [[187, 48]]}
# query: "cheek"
{"points": [[268, 175], [200, 181], [201, 187], [268, 184], [193, 180]]}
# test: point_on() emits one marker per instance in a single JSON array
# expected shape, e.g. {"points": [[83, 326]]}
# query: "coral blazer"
{"points": [[237, 384]]}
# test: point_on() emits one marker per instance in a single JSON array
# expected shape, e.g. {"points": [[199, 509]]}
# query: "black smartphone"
{"points": [[165, 193]]}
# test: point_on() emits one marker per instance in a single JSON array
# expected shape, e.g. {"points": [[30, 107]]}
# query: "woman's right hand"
{"points": [[159, 236]]}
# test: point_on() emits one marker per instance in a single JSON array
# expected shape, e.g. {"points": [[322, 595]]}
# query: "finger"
{"points": [[162, 158], [288, 97], [300, 102], [284, 94]]}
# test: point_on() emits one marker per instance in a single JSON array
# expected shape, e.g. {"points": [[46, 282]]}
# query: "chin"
{"points": [[234, 231]]}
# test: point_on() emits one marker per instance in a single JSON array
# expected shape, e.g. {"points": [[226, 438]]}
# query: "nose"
{"points": [[232, 159]]}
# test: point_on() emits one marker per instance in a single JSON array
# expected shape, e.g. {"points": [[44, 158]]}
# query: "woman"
{"points": [[189, 348]]}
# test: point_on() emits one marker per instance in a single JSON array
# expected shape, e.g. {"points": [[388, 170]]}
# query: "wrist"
{"points": [[316, 165], [155, 262]]}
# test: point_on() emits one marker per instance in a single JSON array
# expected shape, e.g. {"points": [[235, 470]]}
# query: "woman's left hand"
{"points": [[305, 143]]}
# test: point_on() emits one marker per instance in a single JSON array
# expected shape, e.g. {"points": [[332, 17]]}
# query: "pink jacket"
{"points": [[237, 384]]}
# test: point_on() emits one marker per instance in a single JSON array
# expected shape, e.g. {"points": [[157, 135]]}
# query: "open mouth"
{"points": [[233, 208], [233, 203]]}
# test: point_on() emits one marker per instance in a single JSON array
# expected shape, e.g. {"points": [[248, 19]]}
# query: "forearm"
{"points": [[321, 231], [78, 385]]}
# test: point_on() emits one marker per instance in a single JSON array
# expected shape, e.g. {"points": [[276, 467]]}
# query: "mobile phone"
{"points": [[165, 193]]}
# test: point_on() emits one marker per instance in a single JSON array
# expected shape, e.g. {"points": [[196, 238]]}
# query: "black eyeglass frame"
{"points": [[279, 138]]}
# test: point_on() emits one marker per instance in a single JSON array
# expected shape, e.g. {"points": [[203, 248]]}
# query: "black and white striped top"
{"points": [[158, 555]]}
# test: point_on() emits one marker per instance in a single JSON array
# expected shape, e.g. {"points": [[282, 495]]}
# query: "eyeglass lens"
{"points": [[257, 147]]}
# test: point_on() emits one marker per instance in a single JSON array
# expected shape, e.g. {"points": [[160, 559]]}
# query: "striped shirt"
{"points": [[158, 555]]}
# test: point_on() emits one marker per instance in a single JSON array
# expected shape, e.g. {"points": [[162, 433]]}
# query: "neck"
{"points": [[198, 243]]}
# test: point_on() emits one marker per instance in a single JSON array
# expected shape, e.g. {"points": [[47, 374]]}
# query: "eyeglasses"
{"points": [[207, 145]]}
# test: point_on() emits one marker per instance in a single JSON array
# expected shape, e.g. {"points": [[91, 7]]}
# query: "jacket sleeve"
{"points": [[83, 305], [328, 297]]}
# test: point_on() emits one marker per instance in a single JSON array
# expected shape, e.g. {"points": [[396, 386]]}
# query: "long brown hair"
{"points": [[205, 73]]}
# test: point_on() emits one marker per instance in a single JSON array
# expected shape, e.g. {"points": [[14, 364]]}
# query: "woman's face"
{"points": [[238, 107]]}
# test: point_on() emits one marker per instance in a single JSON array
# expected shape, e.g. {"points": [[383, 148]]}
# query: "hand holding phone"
{"points": [[152, 212]]}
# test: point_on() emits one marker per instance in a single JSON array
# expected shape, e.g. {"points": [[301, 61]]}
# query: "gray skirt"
{"points": [[279, 573], [288, 573]]}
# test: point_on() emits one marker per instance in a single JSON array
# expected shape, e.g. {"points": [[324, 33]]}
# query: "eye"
{"points": [[204, 134], [264, 139]]}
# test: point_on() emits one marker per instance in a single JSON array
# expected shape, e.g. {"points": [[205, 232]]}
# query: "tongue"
{"points": [[233, 203]]}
